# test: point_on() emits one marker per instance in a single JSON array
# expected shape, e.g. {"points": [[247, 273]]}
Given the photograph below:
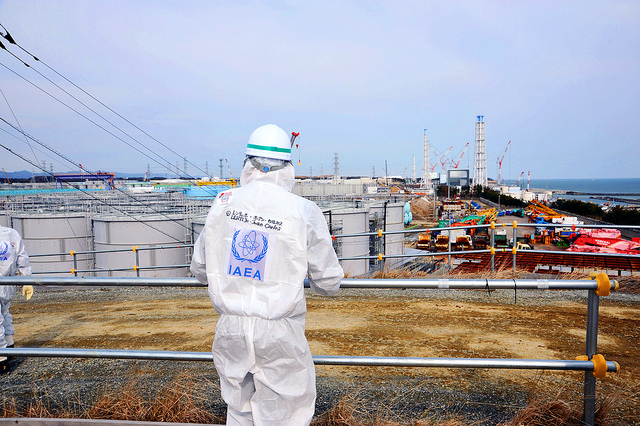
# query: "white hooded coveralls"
{"points": [[13, 260], [258, 244]]}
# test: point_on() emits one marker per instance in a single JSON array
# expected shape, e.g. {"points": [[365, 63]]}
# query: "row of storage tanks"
{"points": [[57, 234]]}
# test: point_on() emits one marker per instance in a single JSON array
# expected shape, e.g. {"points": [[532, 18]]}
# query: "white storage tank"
{"points": [[4, 218], [393, 243], [112, 232], [197, 225], [352, 221], [55, 233]]}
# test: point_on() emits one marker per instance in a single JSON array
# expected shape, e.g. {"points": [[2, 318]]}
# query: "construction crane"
{"points": [[229, 167], [5, 175], [443, 157], [456, 164], [518, 180], [500, 162]]}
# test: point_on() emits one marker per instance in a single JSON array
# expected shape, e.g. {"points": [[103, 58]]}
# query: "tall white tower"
{"points": [[413, 170], [480, 155], [426, 166]]}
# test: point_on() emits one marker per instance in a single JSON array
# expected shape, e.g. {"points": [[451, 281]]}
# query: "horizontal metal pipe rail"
{"points": [[496, 363], [442, 283], [133, 248], [486, 225], [593, 364]]}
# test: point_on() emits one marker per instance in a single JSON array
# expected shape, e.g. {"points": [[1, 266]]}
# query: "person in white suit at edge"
{"points": [[13, 261], [258, 244]]}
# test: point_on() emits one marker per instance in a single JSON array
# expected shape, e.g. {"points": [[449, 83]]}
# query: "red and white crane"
{"points": [[500, 162], [518, 180], [456, 164], [229, 167], [443, 157]]}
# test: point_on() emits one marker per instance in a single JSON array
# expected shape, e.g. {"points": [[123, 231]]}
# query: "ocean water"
{"points": [[599, 186], [630, 186]]}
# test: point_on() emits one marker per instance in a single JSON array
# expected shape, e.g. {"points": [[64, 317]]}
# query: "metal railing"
{"points": [[593, 364], [380, 256]]}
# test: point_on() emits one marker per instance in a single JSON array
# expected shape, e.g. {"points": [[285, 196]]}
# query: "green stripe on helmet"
{"points": [[269, 148]]}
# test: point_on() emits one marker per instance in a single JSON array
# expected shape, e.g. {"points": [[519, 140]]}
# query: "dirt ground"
{"points": [[412, 323]]}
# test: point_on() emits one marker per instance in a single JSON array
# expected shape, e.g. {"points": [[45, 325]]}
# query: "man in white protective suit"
{"points": [[13, 261], [258, 244]]}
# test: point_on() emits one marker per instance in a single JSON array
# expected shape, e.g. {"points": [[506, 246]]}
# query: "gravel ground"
{"points": [[62, 383]]}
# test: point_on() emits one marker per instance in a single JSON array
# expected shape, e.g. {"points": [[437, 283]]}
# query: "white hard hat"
{"points": [[269, 141]]}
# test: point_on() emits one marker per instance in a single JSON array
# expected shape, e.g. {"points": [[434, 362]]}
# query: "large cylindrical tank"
{"points": [[55, 233], [197, 225], [394, 221], [124, 232], [352, 221], [4, 218]]}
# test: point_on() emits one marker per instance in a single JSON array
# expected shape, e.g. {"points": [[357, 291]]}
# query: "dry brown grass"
{"points": [[558, 412], [539, 412], [180, 401], [629, 284], [507, 273]]}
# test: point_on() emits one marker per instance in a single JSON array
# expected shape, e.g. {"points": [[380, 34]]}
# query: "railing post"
{"points": [[381, 253], [75, 263], [449, 249], [135, 250], [493, 250], [593, 303], [515, 238]]}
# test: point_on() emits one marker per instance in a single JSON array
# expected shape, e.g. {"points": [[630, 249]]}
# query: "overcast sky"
{"points": [[560, 79]]}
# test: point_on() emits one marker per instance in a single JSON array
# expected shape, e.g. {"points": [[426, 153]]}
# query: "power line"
{"points": [[90, 173], [18, 122], [93, 122], [10, 39], [35, 148], [89, 194], [80, 114]]}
